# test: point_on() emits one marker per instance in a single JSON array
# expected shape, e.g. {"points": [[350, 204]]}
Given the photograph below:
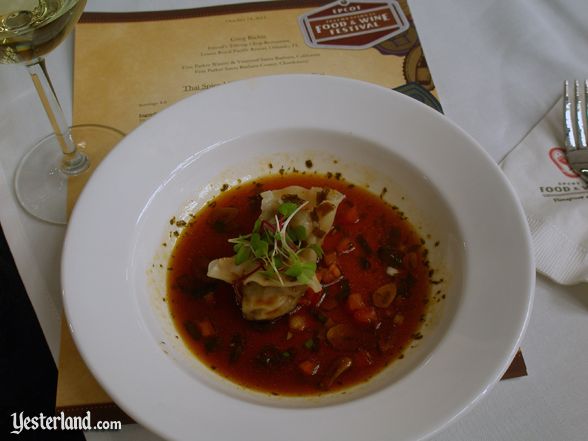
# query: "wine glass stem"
{"points": [[73, 161]]}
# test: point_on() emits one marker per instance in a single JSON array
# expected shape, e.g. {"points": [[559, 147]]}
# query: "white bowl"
{"points": [[114, 261]]}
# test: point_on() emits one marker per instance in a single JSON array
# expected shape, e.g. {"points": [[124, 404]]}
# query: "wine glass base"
{"points": [[42, 189]]}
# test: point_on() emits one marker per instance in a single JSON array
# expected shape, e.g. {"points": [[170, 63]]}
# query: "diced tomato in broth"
{"points": [[334, 338]]}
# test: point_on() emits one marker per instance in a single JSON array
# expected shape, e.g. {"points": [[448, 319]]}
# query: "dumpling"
{"points": [[266, 293], [269, 302], [316, 217]]}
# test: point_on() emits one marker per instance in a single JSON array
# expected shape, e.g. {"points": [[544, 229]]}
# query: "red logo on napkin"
{"points": [[353, 24], [558, 157]]}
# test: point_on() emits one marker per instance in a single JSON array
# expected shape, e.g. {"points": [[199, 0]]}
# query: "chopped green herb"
{"points": [[210, 344], [318, 315], [192, 330]]}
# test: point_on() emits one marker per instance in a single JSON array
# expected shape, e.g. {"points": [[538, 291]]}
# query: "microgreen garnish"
{"points": [[243, 254], [259, 246], [287, 208], [317, 249], [302, 271], [277, 246]]}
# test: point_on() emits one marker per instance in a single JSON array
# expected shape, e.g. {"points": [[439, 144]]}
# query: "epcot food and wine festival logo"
{"points": [[353, 24], [382, 25], [558, 157]]}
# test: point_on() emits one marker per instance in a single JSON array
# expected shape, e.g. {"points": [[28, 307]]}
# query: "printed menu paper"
{"points": [[129, 67]]}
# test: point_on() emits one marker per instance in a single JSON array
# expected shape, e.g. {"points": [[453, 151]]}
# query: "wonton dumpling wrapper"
{"points": [[266, 298]]}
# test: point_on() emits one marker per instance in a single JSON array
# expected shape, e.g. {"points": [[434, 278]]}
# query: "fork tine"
{"points": [[585, 111], [579, 117], [575, 131], [569, 140]]}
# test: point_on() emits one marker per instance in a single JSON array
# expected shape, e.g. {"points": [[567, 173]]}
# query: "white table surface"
{"points": [[498, 66]]}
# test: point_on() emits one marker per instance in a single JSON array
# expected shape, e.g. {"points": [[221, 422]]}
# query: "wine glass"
{"points": [[29, 29]]}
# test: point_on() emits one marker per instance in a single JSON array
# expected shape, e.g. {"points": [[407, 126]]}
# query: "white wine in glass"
{"points": [[29, 29]]}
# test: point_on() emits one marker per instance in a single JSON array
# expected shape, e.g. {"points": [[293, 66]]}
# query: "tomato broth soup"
{"points": [[369, 284]]}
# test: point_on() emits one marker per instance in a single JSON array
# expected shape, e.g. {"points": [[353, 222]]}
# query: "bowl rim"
{"points": [[270, 93]]}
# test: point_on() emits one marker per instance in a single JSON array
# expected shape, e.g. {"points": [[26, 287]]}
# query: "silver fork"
{"points": [[575, 122]]}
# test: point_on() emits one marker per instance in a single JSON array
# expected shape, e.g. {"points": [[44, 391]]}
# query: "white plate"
{"points": [[113, 282]]}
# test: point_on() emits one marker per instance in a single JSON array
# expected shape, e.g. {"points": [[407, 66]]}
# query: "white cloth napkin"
{"points": [[555, 200]]}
